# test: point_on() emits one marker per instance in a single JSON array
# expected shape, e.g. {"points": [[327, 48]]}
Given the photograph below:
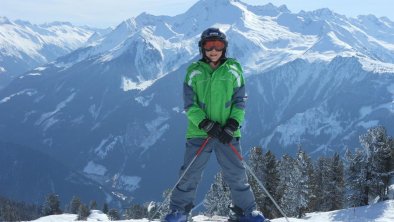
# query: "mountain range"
{"points": [[24, 46], [110, 112]]}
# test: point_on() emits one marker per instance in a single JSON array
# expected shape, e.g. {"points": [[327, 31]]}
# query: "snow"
{"points": [[156, 128], [49, 119], [364, 111], [368, 124], [107, 145], [128, 84], [95, 111], [124, 182], [313, 121], [94, 168], [20, 38], [95, 215], [28, 92], [391, 90], [144, 101], [40, 68], [391, 191], [382, 212], [379, 212]]}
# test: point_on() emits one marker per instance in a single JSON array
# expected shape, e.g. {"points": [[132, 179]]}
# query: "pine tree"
{"points": [[271, 182], [296, 196], [286, 164], [218, 197], [18, 211], [317, 186], [377, 147], [337, 183], [105, 208], [356, 179], [329, 180], [113, 214], [74, 205], [391, 144], [8, 212], [165, 206], [83, 212], [151, 208], [51, 205], [136, 211], [256, 162], [93, 205]]}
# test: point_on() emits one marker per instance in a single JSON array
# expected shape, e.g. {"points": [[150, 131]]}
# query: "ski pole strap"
{"points": [[236, 152]]}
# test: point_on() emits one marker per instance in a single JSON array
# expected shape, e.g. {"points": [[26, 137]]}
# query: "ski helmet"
{"points": [[212, 34]]}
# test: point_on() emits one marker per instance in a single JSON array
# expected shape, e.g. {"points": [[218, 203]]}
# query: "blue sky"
{"points": [[105, 13]]}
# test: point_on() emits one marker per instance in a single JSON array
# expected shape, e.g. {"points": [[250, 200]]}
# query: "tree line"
{"points": [[299, 185], [19, 211]]}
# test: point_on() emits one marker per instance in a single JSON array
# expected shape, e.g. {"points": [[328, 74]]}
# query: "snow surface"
{"points": [[107, 145], [128, 84], [379, 212], [129, 183], [28, 92], [94, 168], [49, 119]]}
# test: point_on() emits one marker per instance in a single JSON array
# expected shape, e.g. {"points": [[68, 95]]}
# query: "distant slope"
{"points": [[33, 175]]}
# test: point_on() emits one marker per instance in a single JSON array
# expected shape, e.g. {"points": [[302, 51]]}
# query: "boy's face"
{"points": [[214, 55], [214, 49]]}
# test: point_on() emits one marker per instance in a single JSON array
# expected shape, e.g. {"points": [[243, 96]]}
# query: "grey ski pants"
{"points": [[234, 174]]}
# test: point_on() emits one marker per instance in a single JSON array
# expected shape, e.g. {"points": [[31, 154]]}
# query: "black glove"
{"points": [[228, 131], [213, 129]]}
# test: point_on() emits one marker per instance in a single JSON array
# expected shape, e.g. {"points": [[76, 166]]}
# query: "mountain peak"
{"points": [[23, 22], [269, 9], [57, 23], [220, 11], [368, 17], [4, 20], [324, 13]]}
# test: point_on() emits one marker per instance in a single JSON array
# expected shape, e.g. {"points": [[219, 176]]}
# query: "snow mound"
{"points": [[382, 212]]}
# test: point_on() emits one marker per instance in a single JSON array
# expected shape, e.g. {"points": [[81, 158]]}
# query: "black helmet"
{"points": [[212, 34]]}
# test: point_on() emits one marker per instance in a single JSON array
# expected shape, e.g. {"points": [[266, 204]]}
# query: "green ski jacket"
{"points": [[214, 94]]}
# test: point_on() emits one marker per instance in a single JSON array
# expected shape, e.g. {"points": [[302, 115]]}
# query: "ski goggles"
{"points": [[214, 44]]}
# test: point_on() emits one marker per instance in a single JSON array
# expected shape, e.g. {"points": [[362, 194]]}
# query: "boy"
{"points": [[214, 100]]}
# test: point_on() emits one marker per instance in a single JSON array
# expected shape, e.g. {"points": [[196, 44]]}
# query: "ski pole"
{"points": [[257, 179], [180, 178]]}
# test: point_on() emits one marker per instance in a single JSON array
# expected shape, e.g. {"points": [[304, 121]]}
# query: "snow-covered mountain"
{"points": [[112, 110], [24, 46]]}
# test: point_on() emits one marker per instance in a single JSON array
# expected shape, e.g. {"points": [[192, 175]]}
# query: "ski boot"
{"points": [[176, 216], [179, 215], [238, 215]]}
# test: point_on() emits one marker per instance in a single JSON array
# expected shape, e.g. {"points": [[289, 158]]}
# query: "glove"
{"points": [[227, 133], [213, 129]]}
